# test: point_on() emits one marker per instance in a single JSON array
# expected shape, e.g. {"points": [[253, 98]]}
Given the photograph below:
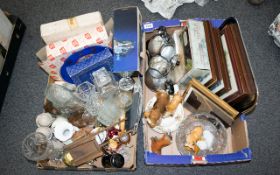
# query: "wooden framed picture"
{"points": [[198, 99]]}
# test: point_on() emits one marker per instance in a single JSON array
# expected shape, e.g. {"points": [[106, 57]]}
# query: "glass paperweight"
{"points": [[37, 147], [117, 160], [201, 134], [126, 84]]}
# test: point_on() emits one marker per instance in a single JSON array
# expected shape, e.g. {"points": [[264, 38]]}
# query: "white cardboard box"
{"points": [[66, 28], [58, 52]]}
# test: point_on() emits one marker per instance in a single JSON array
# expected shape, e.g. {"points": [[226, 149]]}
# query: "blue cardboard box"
{"points": [[127, 40]]}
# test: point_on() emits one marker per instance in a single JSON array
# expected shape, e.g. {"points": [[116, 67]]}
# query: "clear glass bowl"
{"points": [[36, 146], [207, 122]]}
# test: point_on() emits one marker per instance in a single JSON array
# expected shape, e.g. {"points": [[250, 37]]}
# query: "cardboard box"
{"points": [[237, 149], [58, 52], [127, 40], [65, 28], [131, 125]]}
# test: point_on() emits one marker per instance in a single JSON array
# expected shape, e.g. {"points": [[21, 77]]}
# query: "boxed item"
{"points": [[164, 144], [81, 71], [59, 51], [66, 28], [127, 40], [198, 46]]}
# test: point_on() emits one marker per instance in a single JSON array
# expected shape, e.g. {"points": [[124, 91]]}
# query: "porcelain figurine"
{"points": [[158, 109], [158, 144]]}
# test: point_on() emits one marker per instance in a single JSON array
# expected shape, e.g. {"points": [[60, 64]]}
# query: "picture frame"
{"points": [[199, 99]]}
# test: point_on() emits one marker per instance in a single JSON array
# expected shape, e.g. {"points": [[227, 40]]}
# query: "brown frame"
{"points": [[213, 98]]}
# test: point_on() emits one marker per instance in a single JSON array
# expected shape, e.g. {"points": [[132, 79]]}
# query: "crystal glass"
{"points": [[124, 100], [103, 80], [209, 123], [125, 96], [36, 146], [87, 93], [85, 90], [109, 111], [126, 84], [63, 99]]}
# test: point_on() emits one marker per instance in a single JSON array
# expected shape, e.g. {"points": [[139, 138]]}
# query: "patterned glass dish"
{"points": [[37, 147], [209, 123]]}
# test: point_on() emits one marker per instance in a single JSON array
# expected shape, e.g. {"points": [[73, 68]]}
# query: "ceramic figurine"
{"points": [[158, 144], [192, 138], [158, 109], [173, 104]]}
